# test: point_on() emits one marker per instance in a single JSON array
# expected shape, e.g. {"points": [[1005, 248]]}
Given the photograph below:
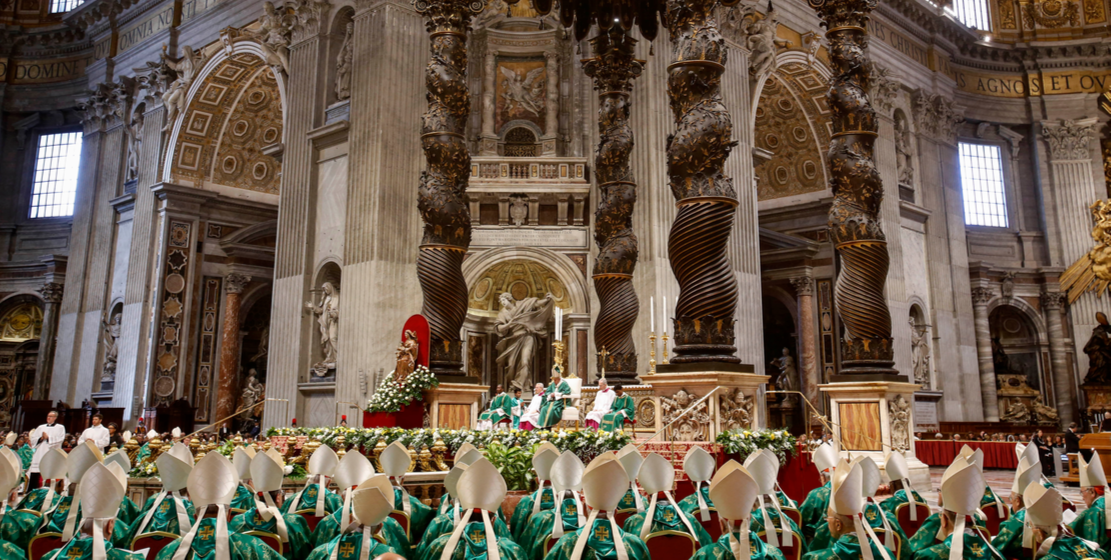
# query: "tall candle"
{"points": [[652, 324], [557, 324], [664, 314]]}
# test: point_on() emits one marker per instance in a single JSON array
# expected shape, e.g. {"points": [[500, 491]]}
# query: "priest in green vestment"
{"points": [[52, 471], [101, 491], [604, 484], [816, 502], [354, 472], [622, 409], [501, 408], [656, 477], [962, 488], [363, 538], [542, 498], [242, 462], [168, 511], [315, 497], [265, 517], [445, 522], [851, 538], [699, 465], [1095, 522], [11, 472], [1053, 540], [557, 396], [632, 501], [734, 492], [567, 514], [212, 484], [481, 492], [395, 462], [763, 467]]}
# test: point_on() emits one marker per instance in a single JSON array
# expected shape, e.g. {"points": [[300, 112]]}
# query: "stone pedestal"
{"points": [[738, 400], [870, 417], [455, 405]]}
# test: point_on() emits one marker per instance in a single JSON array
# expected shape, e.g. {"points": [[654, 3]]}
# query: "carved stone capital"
{"points": [[803, 285], [882, 89], [235, 283], [981, 295], [442, 16], [51, 292], [937, 117], [614, 66], [1069, 140], [1053, 300]]}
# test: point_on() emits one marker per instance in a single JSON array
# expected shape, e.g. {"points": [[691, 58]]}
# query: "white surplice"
{"points": [[55, 434], [99, 434], [603, 401], [533, 413]]}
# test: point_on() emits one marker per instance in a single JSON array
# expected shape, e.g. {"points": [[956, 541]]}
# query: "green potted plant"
{"points": [[516, 466]]}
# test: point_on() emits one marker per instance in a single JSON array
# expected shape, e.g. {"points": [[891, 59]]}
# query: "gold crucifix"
{"points": [[347, 550], [603, 363]]}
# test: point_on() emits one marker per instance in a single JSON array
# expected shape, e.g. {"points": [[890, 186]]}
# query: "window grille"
{"points": [[985, 202], [56, 175]]}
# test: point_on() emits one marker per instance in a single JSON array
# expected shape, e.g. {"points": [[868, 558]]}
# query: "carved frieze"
{"points": [[936, 116], [693, 424], [1068, 139], [736, 410]]}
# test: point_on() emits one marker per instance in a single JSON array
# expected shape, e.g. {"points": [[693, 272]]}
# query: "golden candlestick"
{"points": [[664, 348], [558, 358], [603, 362], [652, 352]]}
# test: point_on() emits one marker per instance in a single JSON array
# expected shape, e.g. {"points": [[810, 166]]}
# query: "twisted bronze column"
{"points": [[704, 325], [853, 220], [442, 200], [613, 70]]}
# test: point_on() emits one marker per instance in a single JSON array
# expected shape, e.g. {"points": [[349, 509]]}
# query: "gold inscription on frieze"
{"points": [[163, 19], [48, 71]]}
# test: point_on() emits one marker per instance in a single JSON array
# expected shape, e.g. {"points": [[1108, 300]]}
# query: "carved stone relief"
{"points": [[898, 409], [936, 116], [693, 425], [736, 410]]}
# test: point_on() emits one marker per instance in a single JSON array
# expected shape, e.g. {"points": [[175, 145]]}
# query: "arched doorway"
{"points": [[779, 339], [1018, 357], [21, 322]]}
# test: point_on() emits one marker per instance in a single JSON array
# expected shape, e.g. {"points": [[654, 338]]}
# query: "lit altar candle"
{"points": [[558, 322], [652, 324], [664, 314]]}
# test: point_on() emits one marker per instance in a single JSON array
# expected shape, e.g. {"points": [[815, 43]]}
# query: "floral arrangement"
{"points": [[587, 444], [393, 395], [742, 443]]}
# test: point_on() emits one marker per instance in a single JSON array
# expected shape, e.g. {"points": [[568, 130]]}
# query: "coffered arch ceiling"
{"points": [[233, 116], [792, 123]]}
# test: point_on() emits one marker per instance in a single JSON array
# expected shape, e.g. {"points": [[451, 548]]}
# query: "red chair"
{"points": [[670, 545], [43, 543], [793, 514], [879, 534], [309, 516], [902, 512], [507, 421], [402, 518], [792, 552], [154, 542], [991, 524], [713, 526]]}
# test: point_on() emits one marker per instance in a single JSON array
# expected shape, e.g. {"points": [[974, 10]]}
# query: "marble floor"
{"points": [[1000, 481]]}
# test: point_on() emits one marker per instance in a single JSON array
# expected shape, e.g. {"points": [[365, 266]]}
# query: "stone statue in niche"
{"points": [[902, 154], [787, 374], [344, 63], [919, 353], [261, 357], [518, 210], [185, 67], [1016, 412], [134, 135], [898, 409], [326, 312], [407, 353], [519, 325], [1099, 350], [762, 42], [251, 395], [110, 335]]}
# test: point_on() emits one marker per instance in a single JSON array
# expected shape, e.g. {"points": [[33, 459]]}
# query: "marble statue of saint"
{"points": [[327, 316], [406, 356], [344, 65], [1099, 350], [919, 353], [902, 155], [1016, 412], [762, 43], [184, 69], [111, 335], [519, 324], [787, 373], [253, 392]]}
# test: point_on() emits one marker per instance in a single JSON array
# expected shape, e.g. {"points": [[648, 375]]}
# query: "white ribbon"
{"points": [[268, 510], [787, 533], [321, 498], [1001, 512], [557, 520], [48, 500], [705, 514], [457, 535], [344, 521], [910, 498], [71, 519], [648, 522], [1107, 508], [736, 544], [957, 549], [767, 523], [221, 536], [888, 531], [456, 511], [616, 536], [637, 497], [180, 512], [98, 540], [406, 502], [862, 530]]}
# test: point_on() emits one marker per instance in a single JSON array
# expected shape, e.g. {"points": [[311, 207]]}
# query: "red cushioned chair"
{"points": [[671, 545], [793, 514], [792, 552], [713, 526], [902, 512], [309, 516], [43, 543], [991, 524], [272, 540], [879, 534], [402, 518], [154, 541]]}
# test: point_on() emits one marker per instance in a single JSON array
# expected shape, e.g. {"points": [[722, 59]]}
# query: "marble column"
{"points": [[807, 337], [488, 146], [551, 103], [231, 346], [52, 296], [980, 297], [1054, 303]]}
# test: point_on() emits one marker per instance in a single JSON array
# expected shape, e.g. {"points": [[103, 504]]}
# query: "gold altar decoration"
{"points": [[426, 460], [1093, 271]]}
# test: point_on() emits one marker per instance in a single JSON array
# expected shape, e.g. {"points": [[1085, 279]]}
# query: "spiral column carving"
{"points": [[704, 322], [853, 220], [442, 197], [613, 70]]}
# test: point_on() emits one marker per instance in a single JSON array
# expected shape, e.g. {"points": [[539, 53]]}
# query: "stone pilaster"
{"points": [[231, 346], [551, 103], [1054, 304], [807, 337], [981, 295], [488, 146], [52, 297]]}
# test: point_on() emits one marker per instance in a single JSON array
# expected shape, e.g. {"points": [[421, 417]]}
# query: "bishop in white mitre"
{"points": [[604, 398]]}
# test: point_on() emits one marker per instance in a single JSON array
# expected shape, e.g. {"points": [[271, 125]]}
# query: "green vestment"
{"points": [[299, 535], [243, 500], [974, 549], [419, 517], [890, 504], [444, 524], [81, 548], [627, 503], [351, 548], [621, 409], [600, 545], [25, 453], [535, 537], [552, 410], [308, 496], [822, 539], [1075, 548], [665, 518], [500, 408], [241, 547], [758, 525], [721, 550], [1089, 525], [34, 500], [1009, 540], [141, 454], [164, 520], [391, 531], [18, 527], [691, 505], [844, 548], [472, 545], [9, 551], [524, 510], [813, 510]]}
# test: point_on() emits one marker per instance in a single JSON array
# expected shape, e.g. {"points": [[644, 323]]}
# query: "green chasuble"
{"points": [[927, 533], [786, 501], [308, 496], [444, 524], [1089, 525], [621, 409], [721, 550], [552, 410], [520, 518], [241, 547], [665, 518], [691, 505], [419, 517], [17, 527], [600, 545], [758, 525], [974, 549], [9, 551], [164, 520], [890, 505], [627, 502], [1075, 548], [299, 535], [844, 548], [813, 509], [822, 539], [391, 531], [128, 511], [351, 548], [472, 545], [243, 500], [141, 454], [536, 536], [34, 500], [501, 407], [25, 453], [1009, 540], [55, 520], [81, 548]]}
